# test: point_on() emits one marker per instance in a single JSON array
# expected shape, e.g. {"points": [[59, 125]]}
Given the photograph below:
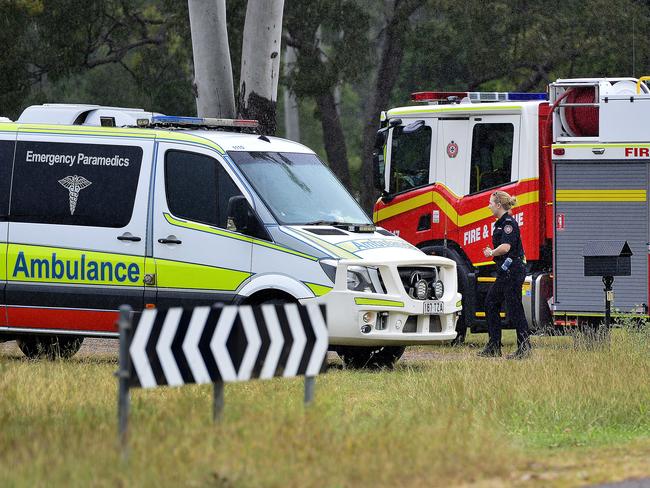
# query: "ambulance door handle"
{"points": [[170, 240], [128, 237]]}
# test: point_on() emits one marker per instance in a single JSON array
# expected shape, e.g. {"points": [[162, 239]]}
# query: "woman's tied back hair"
{"points": [[504, 199]]}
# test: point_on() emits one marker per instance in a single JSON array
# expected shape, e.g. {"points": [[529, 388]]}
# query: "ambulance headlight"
{"points": [[362, 278]]}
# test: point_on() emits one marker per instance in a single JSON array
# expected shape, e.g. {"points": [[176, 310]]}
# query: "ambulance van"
{"points": [[104, 206]]}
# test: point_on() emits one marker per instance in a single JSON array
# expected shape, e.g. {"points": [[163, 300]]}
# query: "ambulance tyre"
{"points": [[463, 284], [378, 357], [50, 346]]}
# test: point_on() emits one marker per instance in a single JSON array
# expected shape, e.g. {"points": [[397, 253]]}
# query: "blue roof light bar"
{"points": [[180, 121]]}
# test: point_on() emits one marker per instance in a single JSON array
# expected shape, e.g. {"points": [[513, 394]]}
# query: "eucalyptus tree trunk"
{"points": [[260, 63], [291, 115], [213, 82]]}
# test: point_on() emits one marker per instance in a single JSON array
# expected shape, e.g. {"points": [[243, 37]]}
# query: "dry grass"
{"points": [[567, 416]]}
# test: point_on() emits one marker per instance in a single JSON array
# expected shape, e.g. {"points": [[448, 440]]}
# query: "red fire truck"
{"points": [[577, 159]]}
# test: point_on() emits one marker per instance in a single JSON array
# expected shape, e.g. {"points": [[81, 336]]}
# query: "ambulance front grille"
{"points": [[409, 275]]}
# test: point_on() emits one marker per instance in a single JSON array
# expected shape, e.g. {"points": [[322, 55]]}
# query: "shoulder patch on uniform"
{"points": [[507, 229]]}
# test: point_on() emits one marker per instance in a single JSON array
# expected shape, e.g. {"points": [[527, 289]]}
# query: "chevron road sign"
{"points": [[206, 345], [219, 345]]}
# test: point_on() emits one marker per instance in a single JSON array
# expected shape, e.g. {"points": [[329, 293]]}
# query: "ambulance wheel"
{"points": [[50, 347], [357, 357], [462, 273]]}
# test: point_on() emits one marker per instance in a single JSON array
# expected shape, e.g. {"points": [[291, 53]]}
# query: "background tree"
{"points": [[393, 33], [339, 52], [88, 51], [369, 56], [260, 63], [213, 83]]}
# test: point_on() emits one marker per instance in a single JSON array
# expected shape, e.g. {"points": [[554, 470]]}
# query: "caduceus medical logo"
{"points": [[74, 184]]}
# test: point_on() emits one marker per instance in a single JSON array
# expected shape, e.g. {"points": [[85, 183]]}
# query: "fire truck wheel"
{"points": [[357, 357], [463, 284], [50, 346]]}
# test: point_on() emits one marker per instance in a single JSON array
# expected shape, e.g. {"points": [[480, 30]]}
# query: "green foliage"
{"points": [[339, 51], [139, 52], [14, 75], [133, 53], [505, 45]]}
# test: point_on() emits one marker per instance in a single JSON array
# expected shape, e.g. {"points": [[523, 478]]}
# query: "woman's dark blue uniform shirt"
{"points": [[506, 231]]}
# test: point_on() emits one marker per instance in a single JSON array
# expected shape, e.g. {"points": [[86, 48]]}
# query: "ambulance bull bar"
{"points": [[392, 316]]}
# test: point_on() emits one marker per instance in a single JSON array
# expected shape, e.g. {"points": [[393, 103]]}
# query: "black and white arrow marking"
{"points": [[234, 343]]}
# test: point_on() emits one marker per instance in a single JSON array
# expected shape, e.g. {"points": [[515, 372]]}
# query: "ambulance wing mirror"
{"points": [[241, 218]]}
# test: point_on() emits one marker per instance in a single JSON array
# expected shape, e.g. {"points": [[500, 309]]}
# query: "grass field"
{"points": [[569, 416]]}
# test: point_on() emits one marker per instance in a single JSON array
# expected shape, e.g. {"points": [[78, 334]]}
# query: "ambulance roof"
{"points": [[118, 119]]}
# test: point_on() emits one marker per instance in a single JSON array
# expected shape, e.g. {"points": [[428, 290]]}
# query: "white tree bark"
{"points": [[260, 63], [291, 115], [212, 67]]}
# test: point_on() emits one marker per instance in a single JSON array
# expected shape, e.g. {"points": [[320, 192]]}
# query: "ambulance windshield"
{"points": [[298, 188]]}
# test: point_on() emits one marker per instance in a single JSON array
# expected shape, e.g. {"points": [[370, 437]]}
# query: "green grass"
{"points": [[566, 416]]}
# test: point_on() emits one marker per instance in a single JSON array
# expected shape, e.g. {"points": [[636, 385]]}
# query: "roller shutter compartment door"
{"points": [[600, 201]]}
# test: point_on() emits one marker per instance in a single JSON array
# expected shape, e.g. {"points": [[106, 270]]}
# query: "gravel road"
{"points": [[107, 347]]}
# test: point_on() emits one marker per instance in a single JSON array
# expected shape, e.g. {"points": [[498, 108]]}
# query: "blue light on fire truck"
{"points": [[527, 97]]}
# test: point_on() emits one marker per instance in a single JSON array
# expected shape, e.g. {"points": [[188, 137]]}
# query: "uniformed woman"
{"points": [[508, 254]]}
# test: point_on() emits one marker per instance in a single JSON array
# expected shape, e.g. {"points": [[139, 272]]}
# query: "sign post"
{"points": [[124, 326], [218, 345]]}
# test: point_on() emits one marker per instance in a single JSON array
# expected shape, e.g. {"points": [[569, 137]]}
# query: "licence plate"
{"points": [[433, 306]]}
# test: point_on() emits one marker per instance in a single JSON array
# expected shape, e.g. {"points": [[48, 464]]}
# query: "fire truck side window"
{"points": [[410, 155], [491, 163]]}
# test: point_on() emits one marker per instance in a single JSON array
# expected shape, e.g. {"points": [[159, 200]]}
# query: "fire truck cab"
{"points": [[578, 165]]}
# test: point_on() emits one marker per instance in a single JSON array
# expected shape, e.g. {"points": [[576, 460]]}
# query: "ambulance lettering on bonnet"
{"points": [[161, 211]]}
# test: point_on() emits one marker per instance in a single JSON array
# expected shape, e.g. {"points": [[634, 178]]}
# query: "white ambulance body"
{"points": [[167, 211]]}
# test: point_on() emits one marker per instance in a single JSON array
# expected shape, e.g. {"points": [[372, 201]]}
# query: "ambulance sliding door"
{"points": [[200, 257], [7, 145], [77, 230]]}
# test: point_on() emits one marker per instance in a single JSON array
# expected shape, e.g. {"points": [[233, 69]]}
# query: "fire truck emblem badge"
{"points": [[74, 184], [507, 229], [452, 149]]}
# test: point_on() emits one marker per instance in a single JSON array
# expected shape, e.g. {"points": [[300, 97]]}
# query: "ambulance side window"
{"points": [[410, 155], [6, 162], [92, 185], [491, 163], [198, 188]]}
